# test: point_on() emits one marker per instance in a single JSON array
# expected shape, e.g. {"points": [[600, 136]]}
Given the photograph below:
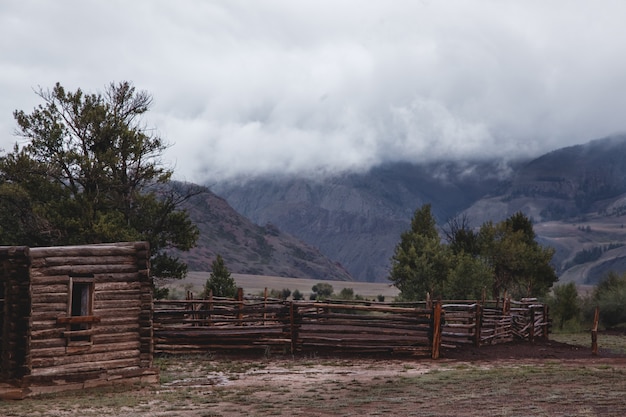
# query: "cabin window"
{"points": [[81, 298], [80, 310]]}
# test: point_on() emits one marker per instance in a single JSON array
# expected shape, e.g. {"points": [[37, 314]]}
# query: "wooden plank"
{"points": [[55, 288], [74, 368], [131, 295], [88, 259], [82, 251], [78, 319], [84, 269], [50, 298]]}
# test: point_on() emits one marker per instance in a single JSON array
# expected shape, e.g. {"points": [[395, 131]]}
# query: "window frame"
{"points": [[79, 330]]}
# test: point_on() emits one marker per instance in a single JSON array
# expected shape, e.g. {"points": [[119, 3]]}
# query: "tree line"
{"points": [[497, 258]]}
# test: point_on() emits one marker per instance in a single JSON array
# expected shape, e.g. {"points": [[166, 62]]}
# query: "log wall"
{"points": [[111, 340], [15, 312]]}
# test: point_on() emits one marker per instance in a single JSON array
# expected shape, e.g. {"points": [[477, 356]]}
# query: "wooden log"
{"points": [[119, 286], [49, 298], [44, 289], [42, 280], [84, 269], [479, 324], [364, 308], [594, 331], [436, 340], [80, 251], [83, 367], [50, 261], [78, 319]]}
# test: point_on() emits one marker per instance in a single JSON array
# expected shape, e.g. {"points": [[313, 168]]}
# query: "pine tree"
{"points": [[220, 282], [420, 262], [90, 172]]}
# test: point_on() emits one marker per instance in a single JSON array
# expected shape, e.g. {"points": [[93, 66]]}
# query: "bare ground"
{"points": [[517, 379]]}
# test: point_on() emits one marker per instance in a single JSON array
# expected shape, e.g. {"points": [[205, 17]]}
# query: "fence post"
{"points": [[240, 299], [210, 307], [479, 324], [436, 323], [264, 306], [531, 330], [292, 323], [546, 320], [594, 332]]}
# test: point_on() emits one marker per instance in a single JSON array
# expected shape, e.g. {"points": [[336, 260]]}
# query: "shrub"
{"points": [[564, 303], [610, 296], [220, 281], [346, 294], [322, 290]]}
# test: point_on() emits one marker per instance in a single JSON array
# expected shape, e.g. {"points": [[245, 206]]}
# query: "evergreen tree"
{"points": [[420, 262], [220, 281], [520, 265], [90, 172], [502, 257]]}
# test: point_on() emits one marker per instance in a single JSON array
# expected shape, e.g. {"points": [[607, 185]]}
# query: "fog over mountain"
{"points": [[301, 88], [576, 197]]}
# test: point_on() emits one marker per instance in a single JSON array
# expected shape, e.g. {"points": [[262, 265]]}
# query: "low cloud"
{"points": [[243, 88]]}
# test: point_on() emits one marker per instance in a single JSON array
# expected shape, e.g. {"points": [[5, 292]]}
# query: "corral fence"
{"points": [[495, 321], [200, 325]]}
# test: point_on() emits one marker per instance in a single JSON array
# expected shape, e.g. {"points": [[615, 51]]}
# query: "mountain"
{"points": [[576, 197], [248, 248], [356, 219]]}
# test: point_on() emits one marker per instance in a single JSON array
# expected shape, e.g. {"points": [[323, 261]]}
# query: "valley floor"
{"points": [[544, 379], [256, 284]]}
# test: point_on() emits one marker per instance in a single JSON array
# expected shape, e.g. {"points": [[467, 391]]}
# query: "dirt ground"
{"points": [[516, 379], [520, 350]]}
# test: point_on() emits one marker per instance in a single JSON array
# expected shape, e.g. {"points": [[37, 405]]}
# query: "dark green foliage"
{"points": [[468, 278], [590, 255], [564, 303], [610, 296], [346, 294], [460, 237], [322, 291], [281, 294], [521, 266], [220, 281], [420, 262], [501, 257], [297, 295], [91, 173]]}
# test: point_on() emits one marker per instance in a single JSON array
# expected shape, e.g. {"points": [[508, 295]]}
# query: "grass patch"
{"points": [[615, 343]]}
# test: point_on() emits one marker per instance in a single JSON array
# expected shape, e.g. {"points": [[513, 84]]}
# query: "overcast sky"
{"points": [[242, 87]]}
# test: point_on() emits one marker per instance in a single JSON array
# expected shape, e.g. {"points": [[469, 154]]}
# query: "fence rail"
{"points": [[298, 326]]}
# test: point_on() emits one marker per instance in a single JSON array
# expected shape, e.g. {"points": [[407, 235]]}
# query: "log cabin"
{"points": [[74, 317]]}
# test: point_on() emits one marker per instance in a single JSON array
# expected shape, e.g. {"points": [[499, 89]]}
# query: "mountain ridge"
{"points": [[576, 197], [249, 248]]}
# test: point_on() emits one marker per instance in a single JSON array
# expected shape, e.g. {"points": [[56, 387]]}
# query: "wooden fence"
{"points": [[294, 326], [195, 325], [491, 322]]}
